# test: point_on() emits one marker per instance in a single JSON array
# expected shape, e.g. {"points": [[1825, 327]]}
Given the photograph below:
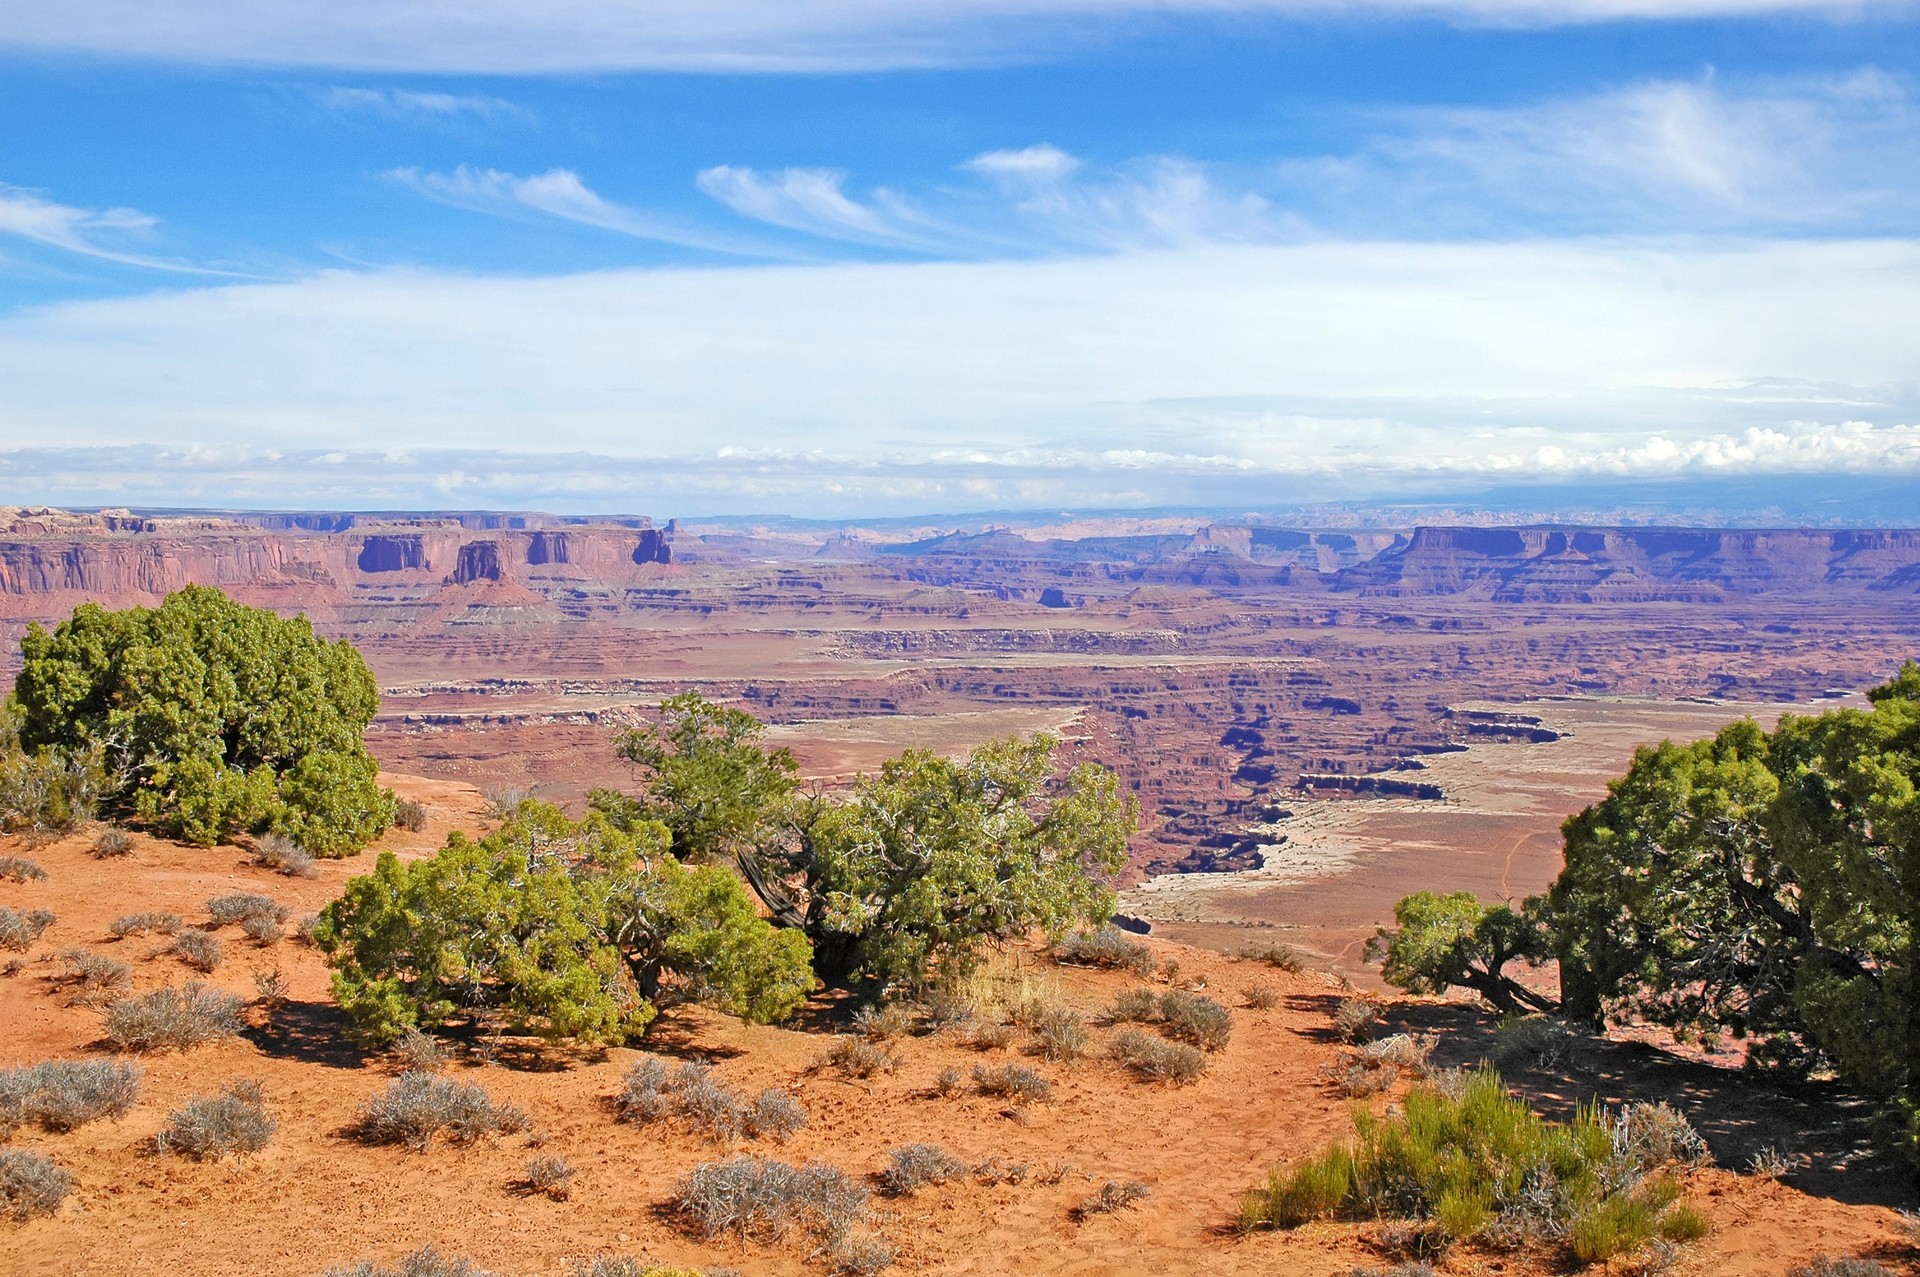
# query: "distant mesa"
{"points": [[479, 561], [1054, 596], [393, 554]]}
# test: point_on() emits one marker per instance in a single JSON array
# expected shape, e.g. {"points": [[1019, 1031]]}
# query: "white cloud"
{"points": [[411, 104], [87, 231], [560, 193], [510, 36], [1128, 379], [1042, 162], [813, 200]]}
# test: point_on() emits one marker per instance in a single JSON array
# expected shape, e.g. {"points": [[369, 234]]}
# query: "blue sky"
{"points": [[735, 257]]}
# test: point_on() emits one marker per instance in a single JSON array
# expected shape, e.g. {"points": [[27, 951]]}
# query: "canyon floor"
{"points": [[317, 1197]]}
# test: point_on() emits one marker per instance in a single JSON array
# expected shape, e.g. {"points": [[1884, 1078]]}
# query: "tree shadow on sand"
{"points": [[1825, 1129]]}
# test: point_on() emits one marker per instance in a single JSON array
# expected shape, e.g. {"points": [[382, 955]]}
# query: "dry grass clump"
{"points": [[94, 977], [550, 1176], [263, 929], [1060, 1033], [1157, 1060], [627, 1266], [690, 1094], [1412, 1268], [410, 816], [766, 1200], [1355, 1019], [285, 856], [20, 869], [1134, 1006], [1261, 997], [140, 924], [946, 1082], [31, 1185], [210, 1127], [1848, 1266], [1113, 1196], [1375, 1067], [1281, 957], [198, 949], [112, 843], [19, 929], [883, 1023], [425, 1262], [912, 1167], [171, 1019], [418, 1106], [1195, 1018], [60, 1095], [1012, 1082], [1482, 1164], [988, 1037], [1109, 947], [857, 1057], [241, 905], [1538, 1041], [420, 1052], [945, 1007]]}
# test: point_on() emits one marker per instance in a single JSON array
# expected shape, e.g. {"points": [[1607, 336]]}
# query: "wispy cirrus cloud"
{"points": [[814, 201], [512, 37], [89, 232], [409, 104], [560, 193]]}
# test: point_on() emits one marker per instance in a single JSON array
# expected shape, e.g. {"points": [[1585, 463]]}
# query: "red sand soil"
{"points": [[316, 1197]]}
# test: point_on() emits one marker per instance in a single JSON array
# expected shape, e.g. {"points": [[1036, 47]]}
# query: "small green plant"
{"points": [[212, 1127], [1475, 1159], [31, 1185], [171, 1019]]}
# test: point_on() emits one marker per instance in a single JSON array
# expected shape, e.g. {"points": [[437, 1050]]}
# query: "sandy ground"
{"points": [[1345, 861], [317, 1197]]}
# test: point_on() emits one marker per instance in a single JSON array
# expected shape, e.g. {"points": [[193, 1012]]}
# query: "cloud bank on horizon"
{"points": [[1307, 249]]}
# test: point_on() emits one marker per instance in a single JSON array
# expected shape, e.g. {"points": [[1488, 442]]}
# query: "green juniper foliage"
{"points": [[573, 929], [204, 718]]}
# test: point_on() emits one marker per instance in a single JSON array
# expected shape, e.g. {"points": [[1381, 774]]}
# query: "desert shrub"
{"points": [[775, 1114], [240, 906], [270, 988], [988, 1037], [1107, 947], [1355, 1019], [644, 1094], [1483, 1161], [945, 1007], [551, 1176], [704, 1105], [60, 1095], [140, 924], [1262, 997], [1658, 1135], [627, 1266], [304, 927], [94, 976], [418, 1106], [112, 843], [1134, 1006], [1408, 1052], [171, 1019], [861, 1255], [946, 1082], [1851, 1266], [1113, 1196], [198, 949], [20, 869], [420, 1052], [31, 1185], [1012, 1082], [1537, 1041], [882, 1023], [212, 1127], [996, 1171], [857, 1057], [582, 928], [19, 929], [261, 929], [912, 1167], [1359, 1076], [1060, 1034], [410, 816], [44, 789], [425, 1262], [1771, 1164], [764, 1199], [1412, 1268], [285, 856], [1158, 1060], [220, 719], [1281, 957], [1195, 1018]]}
